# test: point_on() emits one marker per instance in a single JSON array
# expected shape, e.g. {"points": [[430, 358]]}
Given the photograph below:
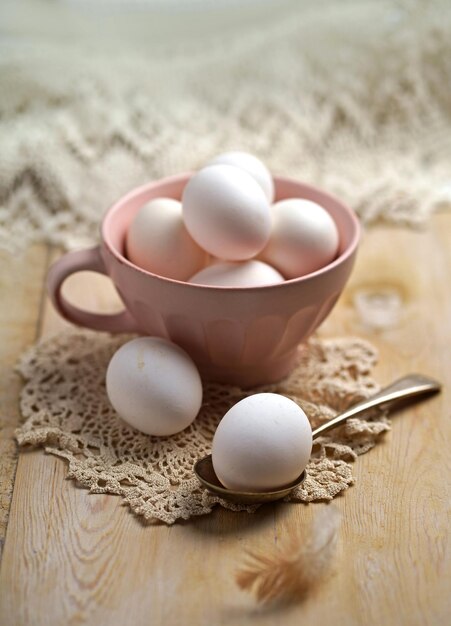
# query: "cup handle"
{"points": [[84, 260]]}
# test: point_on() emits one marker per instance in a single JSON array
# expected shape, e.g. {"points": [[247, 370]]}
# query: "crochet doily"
{"points": [[351, 95], [67, 412]]}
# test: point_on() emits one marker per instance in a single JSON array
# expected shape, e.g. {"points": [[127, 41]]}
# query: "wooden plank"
{"points": [[21, 281], [85, 559], [396, 516]]}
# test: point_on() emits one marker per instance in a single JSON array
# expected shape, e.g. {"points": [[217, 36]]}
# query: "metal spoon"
{"points": [[410, 386]]}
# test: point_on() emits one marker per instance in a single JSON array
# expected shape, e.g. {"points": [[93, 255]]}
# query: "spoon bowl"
{"points": [[206, 474], [412, 386]]}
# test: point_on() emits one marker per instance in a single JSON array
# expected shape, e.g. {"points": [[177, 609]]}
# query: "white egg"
{"points": [[226, 211], [253, 166], [251, 273], [262, 443], [154, 386], [158, 241], [304, 238]]}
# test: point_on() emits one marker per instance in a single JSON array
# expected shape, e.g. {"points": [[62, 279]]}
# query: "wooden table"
{"points": [[74, 558]]}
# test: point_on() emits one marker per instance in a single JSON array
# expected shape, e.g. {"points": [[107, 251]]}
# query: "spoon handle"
{"points": [[406, 387]]}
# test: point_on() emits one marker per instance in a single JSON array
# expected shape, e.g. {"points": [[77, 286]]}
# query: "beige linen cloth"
{"points": [[99, 96]]}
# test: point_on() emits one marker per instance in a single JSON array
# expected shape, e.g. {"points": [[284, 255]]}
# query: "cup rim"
{"points": [[117, 206]]}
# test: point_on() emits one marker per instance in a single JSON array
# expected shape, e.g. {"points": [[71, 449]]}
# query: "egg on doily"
{"points": [[154, 386]]}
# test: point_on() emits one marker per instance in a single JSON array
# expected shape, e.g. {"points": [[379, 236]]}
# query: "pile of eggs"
{"points": [[227, 232]]}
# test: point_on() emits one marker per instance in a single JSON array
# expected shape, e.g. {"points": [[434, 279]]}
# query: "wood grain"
{"points": [[75, 558], [21, 289]]}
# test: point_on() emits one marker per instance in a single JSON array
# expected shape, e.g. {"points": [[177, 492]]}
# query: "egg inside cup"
{"points": [[245, 336]]}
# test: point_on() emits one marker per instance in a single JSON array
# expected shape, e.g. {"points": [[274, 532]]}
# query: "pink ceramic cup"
{"points": [[245, 336]]}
